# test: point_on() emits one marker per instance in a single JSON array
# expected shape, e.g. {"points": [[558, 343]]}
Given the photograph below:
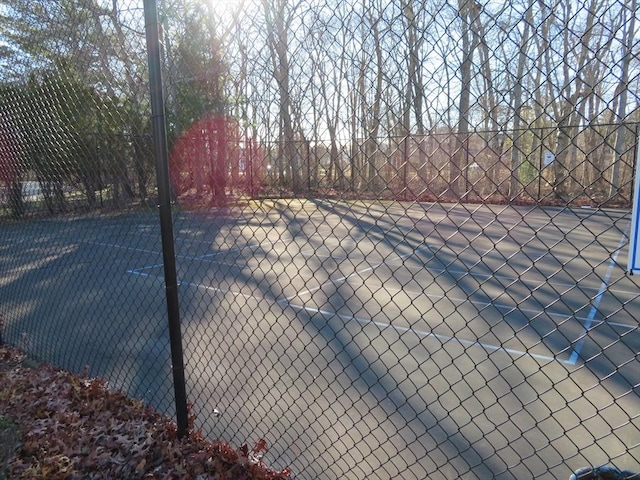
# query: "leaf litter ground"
{"points": [[58, 425]]}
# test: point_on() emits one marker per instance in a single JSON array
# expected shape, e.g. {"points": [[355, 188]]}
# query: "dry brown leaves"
{"points": [[75, 428]]}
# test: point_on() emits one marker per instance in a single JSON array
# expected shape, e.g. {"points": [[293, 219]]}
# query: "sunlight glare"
{"points": [[228, 5]]}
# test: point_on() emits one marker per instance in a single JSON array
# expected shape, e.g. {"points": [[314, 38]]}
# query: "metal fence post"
{"points": [[166, 223]]}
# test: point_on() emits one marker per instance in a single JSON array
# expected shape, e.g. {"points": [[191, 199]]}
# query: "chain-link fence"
{"points": [[400, 227]]}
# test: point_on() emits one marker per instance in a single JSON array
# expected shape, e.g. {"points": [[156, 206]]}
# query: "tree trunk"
{"points": [[15, 200], [371, 148], [622, 91], [515, 186], [278, 46], [458, 165]]}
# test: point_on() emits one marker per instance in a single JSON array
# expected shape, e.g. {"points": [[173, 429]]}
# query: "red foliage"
{"points": [[211, 159]]}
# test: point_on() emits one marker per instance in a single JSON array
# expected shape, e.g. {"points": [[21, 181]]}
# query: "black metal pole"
{"points": [[166, 223]]}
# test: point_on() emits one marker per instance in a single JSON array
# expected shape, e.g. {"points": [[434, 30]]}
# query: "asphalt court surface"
{"points": [[545, 287], [401, 335], [371, 313]]}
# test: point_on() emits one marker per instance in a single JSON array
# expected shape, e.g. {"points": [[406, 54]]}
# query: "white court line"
{"points": [[138, 271], [501, 306], [198, 286], [577, 349], [217, 289], [122, 247], [455, 300], [506, 278], [357, 272], [341, 279], [373, 267], [588, 321], [422, 333], [221, 252], [155, 252]]}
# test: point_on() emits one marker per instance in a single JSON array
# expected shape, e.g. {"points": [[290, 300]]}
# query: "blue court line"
{"points": [[595, 306]]}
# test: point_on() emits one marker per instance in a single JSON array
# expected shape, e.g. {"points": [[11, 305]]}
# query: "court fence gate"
{"points": [[393, 236]]}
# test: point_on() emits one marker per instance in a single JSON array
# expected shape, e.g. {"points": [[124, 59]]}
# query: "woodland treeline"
{"points": [[527, 101]]}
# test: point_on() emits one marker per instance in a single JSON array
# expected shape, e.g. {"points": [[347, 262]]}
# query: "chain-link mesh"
{"points": [[401, 228]]}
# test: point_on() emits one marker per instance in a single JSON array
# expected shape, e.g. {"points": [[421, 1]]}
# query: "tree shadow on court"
{"points": [[373, 378], [391, 400], [69, 301], [396, 411], [555, 338]]}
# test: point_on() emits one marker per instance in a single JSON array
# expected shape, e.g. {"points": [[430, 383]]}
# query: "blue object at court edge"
{"points": [[634, 250], [604, 472]]}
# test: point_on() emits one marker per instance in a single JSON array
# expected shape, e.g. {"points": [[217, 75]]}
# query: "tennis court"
{"points": [[378, 340], [394, 334]]}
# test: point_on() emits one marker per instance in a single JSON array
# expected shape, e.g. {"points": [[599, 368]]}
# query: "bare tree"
{"points": [[569, 86], [517, 101], [414, 91], [277, 17], [458, 168], [622, 92], [373, 112]]}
